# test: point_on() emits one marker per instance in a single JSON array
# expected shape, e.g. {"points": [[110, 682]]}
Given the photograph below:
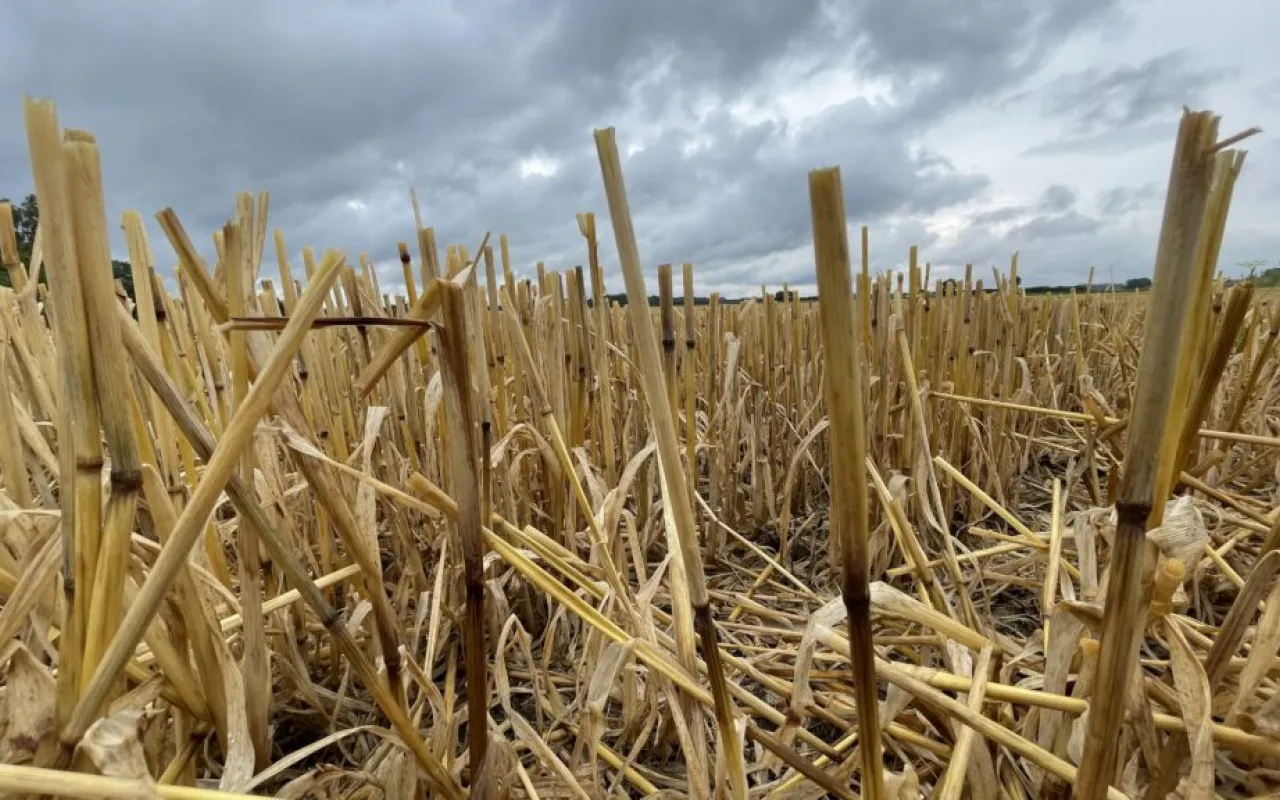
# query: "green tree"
{"points": [[124, 273], [26, 217]]}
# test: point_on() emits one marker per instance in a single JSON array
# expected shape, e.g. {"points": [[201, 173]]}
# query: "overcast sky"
{"points": [[972, 129]]}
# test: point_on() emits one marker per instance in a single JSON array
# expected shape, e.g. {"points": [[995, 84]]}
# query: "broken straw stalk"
{"points": [[606, 546]]}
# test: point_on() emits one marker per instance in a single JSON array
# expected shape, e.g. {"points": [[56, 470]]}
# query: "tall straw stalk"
{"points": [[79, 450], [191, 522], [460, 410], [848, 454], [1171, 299], [664, 430]]}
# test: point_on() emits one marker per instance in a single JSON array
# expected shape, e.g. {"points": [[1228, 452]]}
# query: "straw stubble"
{"points": [[664, 430], [1170, 295], [848, 453], [522, 466]]}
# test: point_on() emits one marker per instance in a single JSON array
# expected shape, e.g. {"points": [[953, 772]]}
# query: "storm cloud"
{"points": [[487, 107]]}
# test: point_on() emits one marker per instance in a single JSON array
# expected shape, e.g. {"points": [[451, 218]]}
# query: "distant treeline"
{"points": [[26, 218], [1267, 278], [654, 302], [621, 299], [1131, 285]]}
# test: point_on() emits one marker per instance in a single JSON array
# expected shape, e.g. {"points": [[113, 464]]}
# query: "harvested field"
{"points": [[273, 531]]}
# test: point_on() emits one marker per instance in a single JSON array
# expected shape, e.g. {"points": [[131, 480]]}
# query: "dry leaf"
{"points": [[114, 745], [1194, 700], [497, 776], [1182, 534], [903, 785], [1266, 643], [237, 770], [30, 702]]}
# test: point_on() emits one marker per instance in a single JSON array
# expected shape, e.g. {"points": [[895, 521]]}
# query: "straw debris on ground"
{"points": [[270, 530]]}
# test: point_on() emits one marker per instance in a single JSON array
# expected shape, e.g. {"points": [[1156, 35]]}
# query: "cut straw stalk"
{"points": [[668, 452], [689, 366], [1078, 416], [12, 462], [848, 453], [952, 784], [246, 504], [23, 780], [600, 346], [10, 258], [80, 451], [422, 312], [256, 665], [542, 409], [922, 438], [93, 256], [988, 728], [1224, 167], [1170, 300], [460, 410], [327, 490], [191, 522], [194, 610], [644, 651], [141, 263], [1238, 300]]}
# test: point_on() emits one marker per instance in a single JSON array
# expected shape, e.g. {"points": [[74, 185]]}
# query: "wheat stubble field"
{"points": [[272, 531]]}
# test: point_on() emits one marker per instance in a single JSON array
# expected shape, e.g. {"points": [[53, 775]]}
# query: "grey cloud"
{"points": [[890, 240], [990, 36], [1124, 199], [760, 196], [322, 103], [1056, 249], [1058, 198], [193, 104], [1268, 91], [1118, 109], [1107, 142], [601, 44], [943, 60], [1072, 223], [1093, 100], [996, 216], [1117, 252], [1051, 250], [329, 102]]}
